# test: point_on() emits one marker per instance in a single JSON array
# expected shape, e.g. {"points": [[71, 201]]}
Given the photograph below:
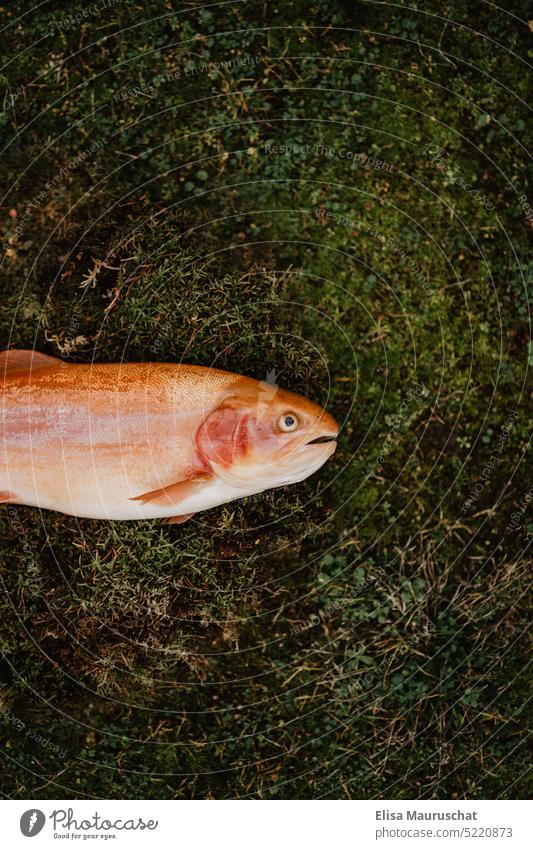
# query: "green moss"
{"points": [[360, 634]]}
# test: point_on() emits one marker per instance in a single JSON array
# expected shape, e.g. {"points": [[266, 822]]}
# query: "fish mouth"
{"points": [[321, 439]]}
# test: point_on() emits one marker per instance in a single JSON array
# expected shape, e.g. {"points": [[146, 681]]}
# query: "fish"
{"points": [[131, 441]]}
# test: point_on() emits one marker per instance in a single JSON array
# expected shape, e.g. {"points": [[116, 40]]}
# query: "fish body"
{"points": [[148, 440]]}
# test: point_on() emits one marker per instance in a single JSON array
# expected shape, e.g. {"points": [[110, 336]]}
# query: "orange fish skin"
{"points": [[87, 440]]}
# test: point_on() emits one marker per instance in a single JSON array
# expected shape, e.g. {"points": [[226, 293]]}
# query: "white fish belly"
{"points": [[65, 458], [98, 493]]}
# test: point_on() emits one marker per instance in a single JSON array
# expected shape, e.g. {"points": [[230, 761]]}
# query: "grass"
{"points": [[297, 209]]}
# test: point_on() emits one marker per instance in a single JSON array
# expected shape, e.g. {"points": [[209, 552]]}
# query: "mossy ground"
{"points": [[361, 634]]}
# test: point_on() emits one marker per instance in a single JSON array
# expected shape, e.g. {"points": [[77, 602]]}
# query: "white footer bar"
{"points": [[267, 825]]}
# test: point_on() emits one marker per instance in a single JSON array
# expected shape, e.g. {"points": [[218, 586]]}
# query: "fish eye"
{"points": [[288, 422]]}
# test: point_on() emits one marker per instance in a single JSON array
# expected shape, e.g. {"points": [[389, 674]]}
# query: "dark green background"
{"points": [[147, 220]]}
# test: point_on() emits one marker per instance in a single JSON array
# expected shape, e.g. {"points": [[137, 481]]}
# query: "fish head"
{"points": [[262, 436]]}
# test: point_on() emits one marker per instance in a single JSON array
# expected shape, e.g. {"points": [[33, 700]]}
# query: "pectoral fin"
{"points": [[7, 497], [172, 495]]}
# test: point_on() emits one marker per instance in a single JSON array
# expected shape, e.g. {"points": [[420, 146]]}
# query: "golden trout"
{"points": [[149, 440]]}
